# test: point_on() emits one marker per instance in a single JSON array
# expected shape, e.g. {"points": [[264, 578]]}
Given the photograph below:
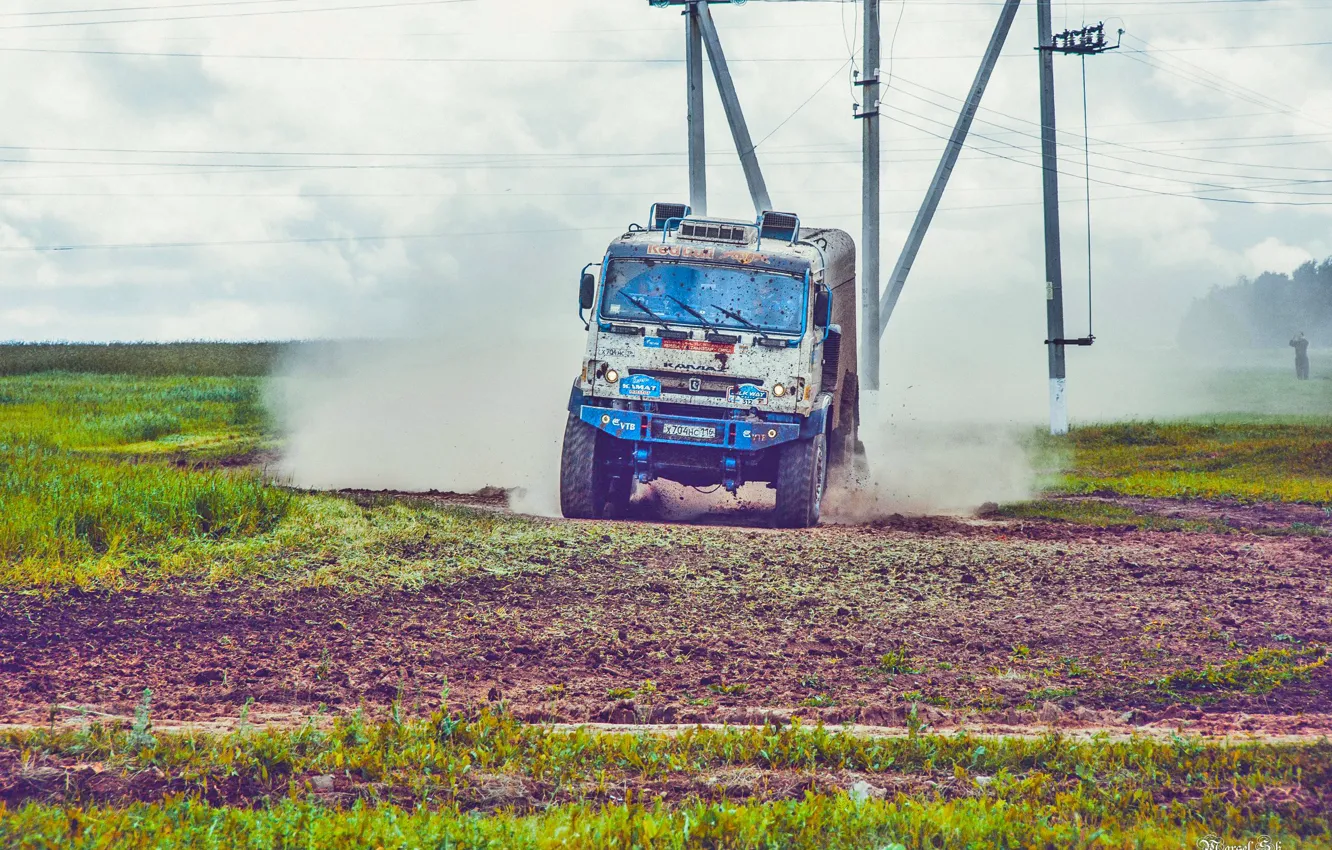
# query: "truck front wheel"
{"points": [[589, 489], [802, 476]]}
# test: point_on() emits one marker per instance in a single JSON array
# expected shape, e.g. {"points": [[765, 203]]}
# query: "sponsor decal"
{"points": [[759, 434], [681, 431], [748, 394], [695, 385], [683, 251], [616, 423], [745, 258], [689, 252], [640, 386], [687, 345]]}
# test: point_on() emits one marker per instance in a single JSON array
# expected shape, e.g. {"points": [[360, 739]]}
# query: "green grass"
{"points": [[1260, 672], [1286, 460], [81, 494], [409, 783]]}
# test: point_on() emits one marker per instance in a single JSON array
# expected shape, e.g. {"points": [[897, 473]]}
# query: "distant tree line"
{"points": [[1265, 311], [143, 358]]}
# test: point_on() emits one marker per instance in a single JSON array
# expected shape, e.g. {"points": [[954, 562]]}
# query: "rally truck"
{"points": [[719, 352]]}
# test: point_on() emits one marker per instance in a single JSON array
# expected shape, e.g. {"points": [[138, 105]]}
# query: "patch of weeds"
{"points": [[701, 701], [897, 661], [1073, 668], [1021, 652], [1051, 694], [141, 735], [813, 682], [1260, 672], [818, 701], [554, 691], [621, 693], [732, 690]]}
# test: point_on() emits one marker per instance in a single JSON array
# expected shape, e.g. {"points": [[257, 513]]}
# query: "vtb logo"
{"points": [[695, 385]]}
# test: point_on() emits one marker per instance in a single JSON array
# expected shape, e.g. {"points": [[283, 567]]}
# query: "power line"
{"points": [[383, 5], [154, 8]]}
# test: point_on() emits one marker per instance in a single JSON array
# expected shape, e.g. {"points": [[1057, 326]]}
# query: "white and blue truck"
{"points": [[719, 352]]}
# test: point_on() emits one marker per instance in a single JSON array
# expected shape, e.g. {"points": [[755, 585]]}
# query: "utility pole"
{"points": [[698, 179], [1085, 42], [1054, 277], [871, 329]]}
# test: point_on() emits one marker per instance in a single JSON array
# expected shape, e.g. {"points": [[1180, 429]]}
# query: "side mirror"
{"points": [[586, 290], [822, 308]]}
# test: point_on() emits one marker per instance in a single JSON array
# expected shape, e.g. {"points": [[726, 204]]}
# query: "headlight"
{"points": [[611, 376], [778, 390]]}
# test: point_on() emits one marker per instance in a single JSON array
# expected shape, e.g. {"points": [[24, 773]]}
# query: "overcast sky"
{"points": [[511, 139]]}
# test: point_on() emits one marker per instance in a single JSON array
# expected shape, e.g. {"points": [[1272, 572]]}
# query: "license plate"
{"points": [[687, 431]]}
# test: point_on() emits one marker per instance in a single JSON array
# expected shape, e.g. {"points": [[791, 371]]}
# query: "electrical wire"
{"points": [[390, 4]]}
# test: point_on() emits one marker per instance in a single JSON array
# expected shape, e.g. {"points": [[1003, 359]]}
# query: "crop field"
{"points": [[194, 655]]}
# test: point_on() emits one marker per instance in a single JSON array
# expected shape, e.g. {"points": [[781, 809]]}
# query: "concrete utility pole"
{"points": [[698, 179], [1054, 276], [744, 145], [869, 207], [946, 164]]}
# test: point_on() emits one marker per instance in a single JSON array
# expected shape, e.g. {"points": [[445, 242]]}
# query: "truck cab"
{"points": [[719, 352]]}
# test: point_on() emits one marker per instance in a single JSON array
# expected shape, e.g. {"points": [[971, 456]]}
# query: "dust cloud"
{"points": [[427, 414], [964, 391]]}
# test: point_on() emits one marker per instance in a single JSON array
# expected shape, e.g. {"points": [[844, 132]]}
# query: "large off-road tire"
{"points": [[584, 485], [802, 478]]}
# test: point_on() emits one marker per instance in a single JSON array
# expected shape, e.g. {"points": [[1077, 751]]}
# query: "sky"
{"points": [[276, 169]]}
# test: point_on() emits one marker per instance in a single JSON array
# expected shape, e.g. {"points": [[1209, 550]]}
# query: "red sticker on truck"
{"points": [[688, 345]]}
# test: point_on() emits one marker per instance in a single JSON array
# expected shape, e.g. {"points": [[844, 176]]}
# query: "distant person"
{"points": [[1301, 346]]}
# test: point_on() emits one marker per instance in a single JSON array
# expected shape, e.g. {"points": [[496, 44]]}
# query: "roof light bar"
{"points": [[716, 231]]}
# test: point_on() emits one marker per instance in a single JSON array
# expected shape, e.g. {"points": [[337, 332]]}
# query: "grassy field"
{"points": [[486, 780], [1281, 460], [134, 471]]}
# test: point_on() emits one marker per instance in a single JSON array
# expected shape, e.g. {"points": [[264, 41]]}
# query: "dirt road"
{"points": [[988, 623]]}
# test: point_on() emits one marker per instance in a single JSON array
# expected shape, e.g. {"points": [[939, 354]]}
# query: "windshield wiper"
{"points": [[742, 320], [697, 315], [640, 305]]}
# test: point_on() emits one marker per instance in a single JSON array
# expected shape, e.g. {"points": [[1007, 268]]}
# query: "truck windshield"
{"points": [[710, 296]]}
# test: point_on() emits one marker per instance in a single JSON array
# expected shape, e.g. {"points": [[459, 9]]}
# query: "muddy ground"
{"points": [[998, 623]]}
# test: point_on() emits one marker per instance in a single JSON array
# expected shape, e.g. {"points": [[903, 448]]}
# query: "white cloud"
{"points": [[1273, 255]]}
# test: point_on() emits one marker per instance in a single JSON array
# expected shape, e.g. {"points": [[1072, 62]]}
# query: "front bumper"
{"points": [[737, 435]]}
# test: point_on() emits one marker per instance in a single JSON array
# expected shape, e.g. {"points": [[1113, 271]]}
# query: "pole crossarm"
{"points": [[744, 145], [945, 170]]}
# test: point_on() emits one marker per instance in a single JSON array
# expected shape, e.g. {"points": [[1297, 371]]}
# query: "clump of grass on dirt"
{"points": [[1102, 515], [1288, 461], [1011, 791], [1260, 672]]}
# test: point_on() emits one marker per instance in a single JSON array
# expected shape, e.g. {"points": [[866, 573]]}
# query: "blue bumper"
{"points": [[739, 435]]}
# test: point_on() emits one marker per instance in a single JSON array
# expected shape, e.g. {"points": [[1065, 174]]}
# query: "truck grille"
{"points": [[699, 385]]}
